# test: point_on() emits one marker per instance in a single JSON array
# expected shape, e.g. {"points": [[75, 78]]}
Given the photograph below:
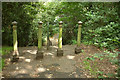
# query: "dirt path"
{"points": [[67, 66], [49, 67]]}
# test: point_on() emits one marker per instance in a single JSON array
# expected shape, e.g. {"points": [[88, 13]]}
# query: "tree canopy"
{"points": [[101, 22]]}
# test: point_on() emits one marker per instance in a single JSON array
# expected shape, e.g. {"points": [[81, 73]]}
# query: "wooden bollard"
{"points": [[60, 50], [39, 54], [78, 49], [15, 43]]}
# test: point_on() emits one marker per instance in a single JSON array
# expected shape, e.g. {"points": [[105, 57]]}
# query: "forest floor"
{"points": [[91, 63]]}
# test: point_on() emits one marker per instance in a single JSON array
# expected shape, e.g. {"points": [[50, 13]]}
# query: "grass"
{"points": [[5, 50]]}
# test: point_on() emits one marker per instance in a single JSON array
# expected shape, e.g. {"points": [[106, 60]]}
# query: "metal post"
{"points": [[59, 50], [15, 43], [78, 49]]}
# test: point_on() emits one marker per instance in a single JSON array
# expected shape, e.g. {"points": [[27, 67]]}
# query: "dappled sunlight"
{"points": [[17, 68], [48, 75], [15, 45], [55, 46], [49, 54], [14, 73], [26, 50], [52, 38], [30, 51], [22, 57], [28, 66], [27, 60], [70, 57], [41, 69], [60, 39], [46, 2], [23, 71]]}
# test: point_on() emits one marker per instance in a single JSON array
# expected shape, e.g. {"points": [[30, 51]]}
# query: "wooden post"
{"points": [[78, 49], [59, 50], [39, 54], [48, 37], [79, 34], [60, 35], [15, 43], [39, 35]]}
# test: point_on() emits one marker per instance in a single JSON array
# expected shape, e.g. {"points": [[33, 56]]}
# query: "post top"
{"points": [[14, 23], [79, 22], [40, 22], [60, 22]]}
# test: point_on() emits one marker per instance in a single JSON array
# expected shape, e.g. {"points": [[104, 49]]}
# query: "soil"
{"points": [[70, 65]]}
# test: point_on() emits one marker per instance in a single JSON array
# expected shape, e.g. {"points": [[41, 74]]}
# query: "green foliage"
{"points": [[101, 22], [92, 69], [103, 28], [1, 64], [111, 75], [100, 75], [99, 56], [100, 27], [23, 13], [90, 58], [74, 42], [106, 36], [112, 56], [4, 50], [93, 57]]}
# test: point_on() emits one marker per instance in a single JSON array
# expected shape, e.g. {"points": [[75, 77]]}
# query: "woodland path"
{"points": [[49, 67]]}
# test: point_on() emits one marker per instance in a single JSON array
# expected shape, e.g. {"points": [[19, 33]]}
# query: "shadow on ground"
{"points": [[50, 66]]}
